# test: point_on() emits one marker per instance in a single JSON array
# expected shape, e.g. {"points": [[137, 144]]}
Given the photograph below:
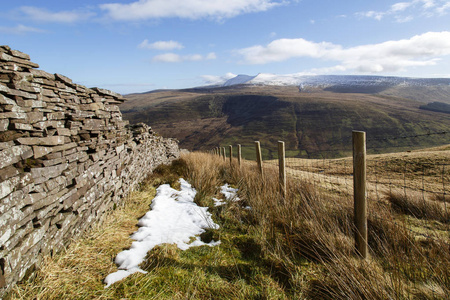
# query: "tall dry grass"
{"points": [[302, 245], [315, 226]]}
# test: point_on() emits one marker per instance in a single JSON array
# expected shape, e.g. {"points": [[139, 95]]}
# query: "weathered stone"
{"points": [[9, 58], [35, 103], [35, 116], [46, 124], [13, 115], [42, 74], [6, 145], [4, 123], [14, 108], [42, 174], [92, 106], [19, 54], [25, 87], [6, 188], [43, 202], [39, 151], [64, 147], [112, 108], [64, 131], [26, 95], [109, 93], [44, 141], [5, 100], [8, 172], [48, 93], [54, 154], [94, 124], [34, 198], [76, 156], [81, 115], [56, 116], [56, 161], [64, 79], [53, 184], [22, 126], [13, 155]]}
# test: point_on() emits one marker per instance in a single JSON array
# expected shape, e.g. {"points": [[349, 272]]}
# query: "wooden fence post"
{"points": [[359, 186], [231, 154], [220, 152], [259, 157], [239, 154], [224, 153], [282, 167]]}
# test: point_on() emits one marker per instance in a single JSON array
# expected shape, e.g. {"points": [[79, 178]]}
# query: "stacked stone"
{"points": [[66, 157]]}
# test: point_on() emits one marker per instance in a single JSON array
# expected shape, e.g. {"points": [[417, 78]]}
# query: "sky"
{"points": [[138, 46]]}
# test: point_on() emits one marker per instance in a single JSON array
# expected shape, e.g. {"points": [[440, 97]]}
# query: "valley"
{"points": [[311, 121]]}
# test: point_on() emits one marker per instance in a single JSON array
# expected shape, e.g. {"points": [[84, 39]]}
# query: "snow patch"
{"points": [[173, 219], [229, 194]]}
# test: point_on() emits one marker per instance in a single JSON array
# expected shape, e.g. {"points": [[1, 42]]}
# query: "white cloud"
{"points": [[186, 9], [400, 6], [211, 56], [442, 10], [175, 58], [390, 56], [283, 49], [372, 14], [403, 19], [428, 8], [44, 15], [20, 29], [213, 79], [161, 45], [427, 3]]}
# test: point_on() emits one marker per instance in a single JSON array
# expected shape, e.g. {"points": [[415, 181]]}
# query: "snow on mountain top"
{"points": [[305, 79], [239, 79]]}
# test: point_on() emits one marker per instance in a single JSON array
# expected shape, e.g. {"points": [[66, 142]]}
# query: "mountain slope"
{"points": [[313, 123]]}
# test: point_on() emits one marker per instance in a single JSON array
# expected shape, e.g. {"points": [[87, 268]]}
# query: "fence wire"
{"points": [[415, 186]]}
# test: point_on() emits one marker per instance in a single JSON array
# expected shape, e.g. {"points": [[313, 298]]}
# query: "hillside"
{"points": [[309, 121]]}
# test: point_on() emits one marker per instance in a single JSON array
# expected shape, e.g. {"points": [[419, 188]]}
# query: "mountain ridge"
{"points": [[303, 80]]}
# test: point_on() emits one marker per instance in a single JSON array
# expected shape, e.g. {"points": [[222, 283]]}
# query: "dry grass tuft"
{"points": [[416, 205]]}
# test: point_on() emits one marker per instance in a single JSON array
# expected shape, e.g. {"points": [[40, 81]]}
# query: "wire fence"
{"points": [[414, 184]]}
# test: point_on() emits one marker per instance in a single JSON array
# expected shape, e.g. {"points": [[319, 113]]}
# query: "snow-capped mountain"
{"points": [[239, 79], [324, 81]]}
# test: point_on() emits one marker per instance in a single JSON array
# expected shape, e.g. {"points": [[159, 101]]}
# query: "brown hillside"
{"points": [[310, 122]]}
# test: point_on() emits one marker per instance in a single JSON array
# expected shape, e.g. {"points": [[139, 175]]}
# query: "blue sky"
{"points": [[136, 46]]}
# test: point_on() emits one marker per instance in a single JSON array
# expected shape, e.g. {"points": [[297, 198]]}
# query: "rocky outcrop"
{"points": [[66, 158]]}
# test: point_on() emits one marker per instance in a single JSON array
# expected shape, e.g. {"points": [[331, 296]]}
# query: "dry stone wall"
{"points": [[66, 158]]}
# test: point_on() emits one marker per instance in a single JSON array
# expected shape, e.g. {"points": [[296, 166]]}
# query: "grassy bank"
{"points": [[298, 247]]}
